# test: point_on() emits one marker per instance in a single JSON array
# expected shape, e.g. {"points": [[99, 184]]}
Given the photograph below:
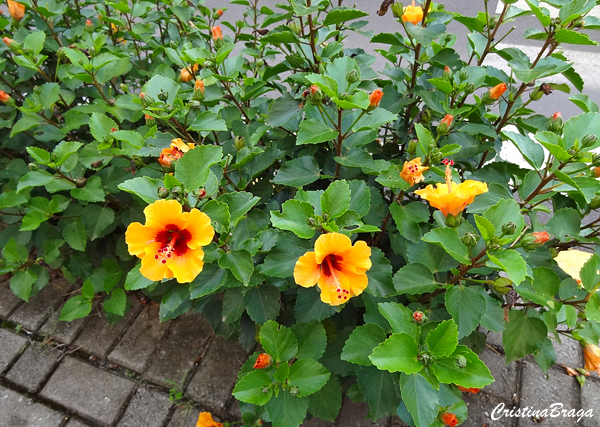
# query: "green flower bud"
{"points": [[124, 87], [163, 96], [163, 193], [61, 53], [435, 156], [502, 285], [588, 140], [442, 129], [509, 228], [536, 94], [37, 90], [464, 75], [425, 116], [453, 221], [426, 359], [177, 190], [316, 95], [532, 241], [352, 76], [412, 146], [311, 222], [470, 88], [581, 380], [555, 123], [239, 142], [194, 104], [260, 63], [208, 64], [470, 239], [293, 25], [33, 166], [595, 202], [460, 361], [398, 10]]}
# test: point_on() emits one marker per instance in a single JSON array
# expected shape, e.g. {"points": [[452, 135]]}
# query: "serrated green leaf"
{"points": [[308, 375], [192, 170], [278, 341], [442, 340], [336, 199], [466, 306], [522, 335], [250, 388], [75, 308], [399, 353], [361, 343], [294, 217]]}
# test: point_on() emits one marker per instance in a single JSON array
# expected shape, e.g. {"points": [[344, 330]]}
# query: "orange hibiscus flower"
{"points": [[497, 91], [413, 14], [262, 361], [412, 172], [176, 151], [449, 419], [217, 34], [169, 244], [472, 390], [187, 73], [16, 10], [375, 98], [591, 355], [205, 419], [451, 198], [336, 266]]}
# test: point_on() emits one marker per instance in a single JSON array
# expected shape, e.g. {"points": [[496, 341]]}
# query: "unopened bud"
{"points": [[208, 64], [419, 317], [239, 142], [470, 239], [124, 87], [460, 361], [435, 156], [194, 104], [470, 88], [532, 241], [447, 72], [555, 123], [412, 146], [352, 76], [33, 166], [509, 228], [536, 94], [199, 90], [163, 193], [293, 25], [453, 221], [218, 13], [177, 190], [502, 285], [163, 96], [595, 202], [13, 45], [398, 10], [315, 95], [464, 75], [5, 98], [588, 140]]}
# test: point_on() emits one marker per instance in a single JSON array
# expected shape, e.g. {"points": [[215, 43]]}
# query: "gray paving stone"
{"points": [[76, 423], [11, 345], [8, 300], [33, 313], [213, 382], [568, 353], [88, 391], [176, 353], [139, 342], [590, 399], [539, 393], [19, 411], [148, 408], [493, 338], [98, 336], [33, 366], [64, 332], [354, 414], [481, 407], [184, 417], [505, 385], [234, 409]]}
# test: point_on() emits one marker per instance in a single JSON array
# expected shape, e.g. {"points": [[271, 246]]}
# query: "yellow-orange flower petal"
{"points": [[413, 14], [571, 262], [205, 419], [169, 243], [498, 90], [336, 266], [16, 10], [412, 172], [591, 355], [455, 201]]}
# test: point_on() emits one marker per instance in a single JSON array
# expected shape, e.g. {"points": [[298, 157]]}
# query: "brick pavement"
{"points": [[89, 373]]}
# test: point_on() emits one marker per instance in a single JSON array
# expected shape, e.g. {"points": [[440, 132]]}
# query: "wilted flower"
{"points": [[336, 266], [205, 419], [187, 73], [412, 172], [472, 390], [413, 14], [449, 419], [176, 151], [262, 361], [170, 242]]}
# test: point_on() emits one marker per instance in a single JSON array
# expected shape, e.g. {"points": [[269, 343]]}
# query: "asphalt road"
{"points": [[586, 58]]}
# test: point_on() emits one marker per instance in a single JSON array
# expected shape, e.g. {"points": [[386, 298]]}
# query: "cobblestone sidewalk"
{"points": [[91, 373]]}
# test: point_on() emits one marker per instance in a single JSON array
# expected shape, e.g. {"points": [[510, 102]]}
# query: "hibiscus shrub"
{"points": [[359, 224]]}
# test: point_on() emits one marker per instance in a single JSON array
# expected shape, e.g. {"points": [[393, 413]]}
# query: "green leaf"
{"points": [[590, 273], [75, 235], [14, 253], [9, 199], [208, 121], [361, 343], [239, 203], [294, 218], [573, 37], [466, 306], [448, 239], [486, 228], [95, 220], [579, 126], [175, 302], [336, 199], [312, 340], [91, 192], [144, 187], [474, 374], [408, 217], [210, 279], [310, 308], [262, 303], [374, 120], [217, 212], [314, 131], [22, 283], [522, 335], [326, 403], [298, 172], [399, 353], [87, 289], [420, 398], [135, 280], [425, 35], [233, 305], [283, 110], [286, 410], [506, 210], [380, 389], [510, 261], [442, 340], [34, 179], [414, 279], [75, 308], [101, 126], [308, 375], [250, 388], [239, 262], [399, 317], [282, 258], [379, 275], [338, 15], [192, 169], [117, 302], [531, 150], [35, 42], [360, 200], [278, 341], [158, 84], [565, 224]]}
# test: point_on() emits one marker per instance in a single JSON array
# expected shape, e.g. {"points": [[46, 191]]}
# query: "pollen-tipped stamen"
{"points": [[340, 290]]}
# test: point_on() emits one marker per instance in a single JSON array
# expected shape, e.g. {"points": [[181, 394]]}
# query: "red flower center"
{"points": [[329, 267], [173, 241]]}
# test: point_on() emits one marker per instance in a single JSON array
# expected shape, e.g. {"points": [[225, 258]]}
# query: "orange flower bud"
{"points": [[497, 91], [596, 172], [556, 115], [447, 120], [9, 42], [472, 390], [449, 419], [541, 237], [199, 86], [591, 355], [262, 361], [16, 10], [418, 316], [142, 95], [217, 34], [375, 98], [314, 89], [88, 23], [220, 13], [5, 97], [447, 69], [413, 14], [148, 117]]}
